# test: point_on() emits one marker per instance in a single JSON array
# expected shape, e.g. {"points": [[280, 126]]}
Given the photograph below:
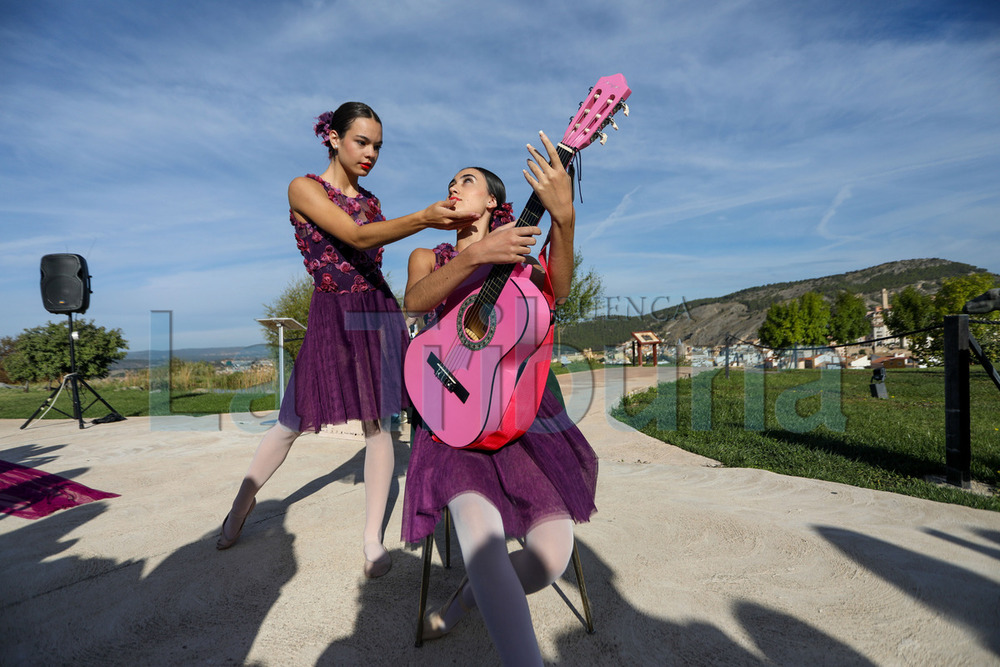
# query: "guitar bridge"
{"points": [[445, 377]]}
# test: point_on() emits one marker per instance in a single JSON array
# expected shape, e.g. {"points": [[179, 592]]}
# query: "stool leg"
{"points": [[583, 589], [447, 537], [425, 581]]}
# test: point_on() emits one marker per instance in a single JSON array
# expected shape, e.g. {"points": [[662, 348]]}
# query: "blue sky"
{"points": [[768, 141]]}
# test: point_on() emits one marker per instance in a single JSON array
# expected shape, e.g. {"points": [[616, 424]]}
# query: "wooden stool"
{"points": [[426, 577]]}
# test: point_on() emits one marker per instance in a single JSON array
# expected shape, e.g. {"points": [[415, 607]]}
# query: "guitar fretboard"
{"points": [[532, 213]]}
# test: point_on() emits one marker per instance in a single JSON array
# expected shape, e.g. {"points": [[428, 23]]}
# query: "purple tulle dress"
{"points": [[350, 364], [549, 471]]}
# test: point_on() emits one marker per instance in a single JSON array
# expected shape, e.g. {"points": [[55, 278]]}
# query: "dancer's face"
{"points": [[358, 149], [470, 193]]}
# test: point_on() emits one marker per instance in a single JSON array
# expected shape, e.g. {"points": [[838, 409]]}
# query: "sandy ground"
{"points": [[685, 562]]}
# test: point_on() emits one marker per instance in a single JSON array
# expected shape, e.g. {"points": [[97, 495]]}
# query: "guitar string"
{"points": [[532, 213]]}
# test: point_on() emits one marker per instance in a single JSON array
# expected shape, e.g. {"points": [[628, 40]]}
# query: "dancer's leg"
{"points": [[379, 462], [271, 453], [493, 581], [548, 546]]}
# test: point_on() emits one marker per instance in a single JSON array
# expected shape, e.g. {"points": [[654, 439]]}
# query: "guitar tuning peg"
{"points": [[625, 109], [604, 137], [613, 123]]}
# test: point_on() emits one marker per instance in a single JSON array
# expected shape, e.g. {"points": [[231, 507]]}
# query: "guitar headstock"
{"points": [[606, 98]]}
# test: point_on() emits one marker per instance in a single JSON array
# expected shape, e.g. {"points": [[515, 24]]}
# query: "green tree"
{"points": [[782, 325], [848, 318], [6, 349], [42, 353], [292, 302], [950, 300], [814, 314], [799, 322], [585, 293], [954, 292], [912, 311]]}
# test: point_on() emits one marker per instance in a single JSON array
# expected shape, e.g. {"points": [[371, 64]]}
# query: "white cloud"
{"points": [[614, 217], [823, 228]]}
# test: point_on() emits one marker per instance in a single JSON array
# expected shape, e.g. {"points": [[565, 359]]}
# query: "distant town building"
{"points": [[860, 361], [894, 361], [877, 318]]}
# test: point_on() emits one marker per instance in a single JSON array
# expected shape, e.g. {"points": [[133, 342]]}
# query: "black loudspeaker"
{"points": [[65, 284]]}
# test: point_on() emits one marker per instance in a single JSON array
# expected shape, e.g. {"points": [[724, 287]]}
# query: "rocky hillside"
{"points": [[707, 321]]}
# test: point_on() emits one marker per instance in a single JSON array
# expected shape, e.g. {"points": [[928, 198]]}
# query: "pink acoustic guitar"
{"points": [[477, 374]]}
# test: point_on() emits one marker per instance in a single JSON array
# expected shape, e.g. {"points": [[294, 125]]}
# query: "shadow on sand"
{"points": [[189, 606], [183, 611], [623, 633], [960, 595]]}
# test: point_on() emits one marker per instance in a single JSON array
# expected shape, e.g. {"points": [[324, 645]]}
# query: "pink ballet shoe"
{"points": [[378, 567], [434, 625], [223, 542]]}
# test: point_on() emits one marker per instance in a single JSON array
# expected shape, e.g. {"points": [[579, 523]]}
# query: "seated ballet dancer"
{"points": [[535, 487]]}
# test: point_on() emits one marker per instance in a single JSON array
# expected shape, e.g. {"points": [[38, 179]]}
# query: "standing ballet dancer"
{"points": [[350, 363]]}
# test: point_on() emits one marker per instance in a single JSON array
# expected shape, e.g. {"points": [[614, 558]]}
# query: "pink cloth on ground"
{"points": [[33, 494]]}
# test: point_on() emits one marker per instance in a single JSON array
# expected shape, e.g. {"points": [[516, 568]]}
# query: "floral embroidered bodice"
{"points": [[443, 253], [334, 265]]}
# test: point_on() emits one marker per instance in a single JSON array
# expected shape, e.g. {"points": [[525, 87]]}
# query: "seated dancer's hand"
{"points": [[549, 180], [442, 215], [507, 244]]}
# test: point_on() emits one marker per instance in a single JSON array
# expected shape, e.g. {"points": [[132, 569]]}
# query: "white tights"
{"points": [[379, 464], [500, 581]]}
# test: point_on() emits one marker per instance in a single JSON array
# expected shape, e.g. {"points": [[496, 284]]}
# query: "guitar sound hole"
{"points": [[475, 327], [475, 324]]}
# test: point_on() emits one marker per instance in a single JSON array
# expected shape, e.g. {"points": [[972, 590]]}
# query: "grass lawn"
{"points": [[17, 404], [574, 367], [827, 426]]}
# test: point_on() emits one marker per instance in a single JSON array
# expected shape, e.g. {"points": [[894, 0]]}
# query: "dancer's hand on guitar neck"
{"points": [[506, 244], [550, 181], [554, 188]]}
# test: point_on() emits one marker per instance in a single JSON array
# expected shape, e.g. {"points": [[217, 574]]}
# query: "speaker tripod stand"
{"points": [[74, 382]]}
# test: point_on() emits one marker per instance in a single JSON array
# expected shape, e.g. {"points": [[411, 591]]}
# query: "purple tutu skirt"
{"points": [[549, 471], [351, 362]]}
